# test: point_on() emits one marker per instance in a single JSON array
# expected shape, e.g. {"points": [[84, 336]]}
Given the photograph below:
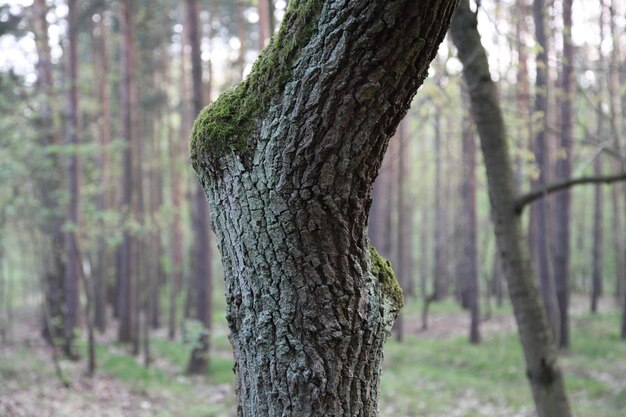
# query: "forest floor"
{"points": [[432, 373]]}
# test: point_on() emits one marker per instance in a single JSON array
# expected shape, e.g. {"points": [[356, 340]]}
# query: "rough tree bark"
{"points": [[539, 348], [287, 159]]}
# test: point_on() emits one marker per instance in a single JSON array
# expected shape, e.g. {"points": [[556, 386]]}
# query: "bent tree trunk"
{"points": [[540, 350], [287, 159]]}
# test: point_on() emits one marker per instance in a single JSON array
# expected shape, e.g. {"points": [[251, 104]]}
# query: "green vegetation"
{"points": [[431, 373]]}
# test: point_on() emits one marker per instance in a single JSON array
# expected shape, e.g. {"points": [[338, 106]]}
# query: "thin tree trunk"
{"points": [[241, 34], [615, 111], [540, 350], [4, 319], [440, 284], [425, 271], [403, 229], [563, 167], [541, 149], [177, 151], [72, 276], [102, 76], [201, 255], [265, 23], [54, 264], [89, 312], [309, 302], [598, 219], [523, 93], [127, 266], [156, 247], [598, 216], [469, 255], [496, 279]]}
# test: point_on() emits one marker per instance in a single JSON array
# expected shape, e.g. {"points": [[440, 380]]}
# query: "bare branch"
{"points": [[530, 197]]}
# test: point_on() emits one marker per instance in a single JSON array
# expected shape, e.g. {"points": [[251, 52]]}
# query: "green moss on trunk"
{"points": [[227, 124], [382, 270]]}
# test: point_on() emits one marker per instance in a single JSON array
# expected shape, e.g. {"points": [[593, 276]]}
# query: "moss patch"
{"points": [[227, 123], [381, 268]]}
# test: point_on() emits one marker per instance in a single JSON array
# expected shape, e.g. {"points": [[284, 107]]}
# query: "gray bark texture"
{"points": [[287, 159], [540, 350]]}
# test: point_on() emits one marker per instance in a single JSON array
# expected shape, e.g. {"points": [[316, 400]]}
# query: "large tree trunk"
{"points": [[201, 255], [563, 172], [287, 159], [540, 350]]}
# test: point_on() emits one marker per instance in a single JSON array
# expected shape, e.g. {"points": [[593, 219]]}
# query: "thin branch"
{"points": [[530, 197]]}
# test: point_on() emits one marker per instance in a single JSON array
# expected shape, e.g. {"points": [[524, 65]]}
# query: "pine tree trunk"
{"points": [[72, 277], [598, 219], [201, 255], [523, 93], [53, 262], [619, 198], [598, 214], [265, 31], [563, 167], [469, 255], [102, 70], [540, 351], [287, 159], [127, 268], [440, 278], [403, 229], [177, 151], [540, 209]]}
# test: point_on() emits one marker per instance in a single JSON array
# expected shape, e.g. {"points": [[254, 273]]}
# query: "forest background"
{"points": [[111, 296]]}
